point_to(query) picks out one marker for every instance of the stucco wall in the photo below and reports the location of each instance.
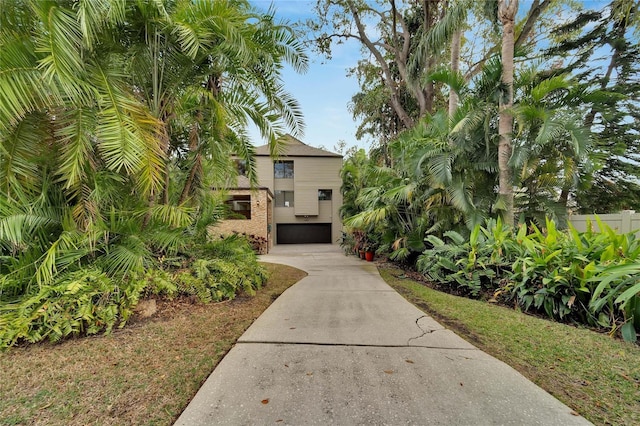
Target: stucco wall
(310, 175)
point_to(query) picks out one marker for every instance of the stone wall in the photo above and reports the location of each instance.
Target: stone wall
(257, 226)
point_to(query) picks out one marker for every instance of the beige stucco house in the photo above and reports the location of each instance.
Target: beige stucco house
(305, 182)
(297, 200)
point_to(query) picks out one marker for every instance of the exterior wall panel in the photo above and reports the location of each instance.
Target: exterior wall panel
(264, 168)
(306, 199)
(284, 184)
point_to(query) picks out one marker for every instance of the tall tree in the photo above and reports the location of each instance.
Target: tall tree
(391, 47)
(608, 100)
(205, 72)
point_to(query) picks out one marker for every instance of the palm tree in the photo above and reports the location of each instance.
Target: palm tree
(428, 190)
(205, 71)
(101, 101)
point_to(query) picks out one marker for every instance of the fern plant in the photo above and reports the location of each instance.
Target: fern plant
(81, 302)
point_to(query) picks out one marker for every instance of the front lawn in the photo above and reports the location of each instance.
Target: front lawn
(145, 373)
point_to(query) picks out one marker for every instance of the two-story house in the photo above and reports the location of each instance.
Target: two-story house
(297, 200)
(305, 182)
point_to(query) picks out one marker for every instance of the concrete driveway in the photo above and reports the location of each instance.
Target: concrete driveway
(342, 347)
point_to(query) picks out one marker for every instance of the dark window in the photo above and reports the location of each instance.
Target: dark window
(324, 194)
(241, 167)
(239, 207)
(284, 198)
(283, 169)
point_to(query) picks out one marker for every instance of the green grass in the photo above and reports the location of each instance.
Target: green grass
(144, 374)
(596, 375)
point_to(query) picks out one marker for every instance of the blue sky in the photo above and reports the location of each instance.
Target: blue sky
(324, 91)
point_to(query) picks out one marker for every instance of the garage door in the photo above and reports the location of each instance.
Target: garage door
(304, 233)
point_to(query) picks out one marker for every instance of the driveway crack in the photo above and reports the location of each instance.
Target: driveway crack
(424, 332)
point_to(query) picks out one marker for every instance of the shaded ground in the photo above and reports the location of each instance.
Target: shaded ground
(143, 374)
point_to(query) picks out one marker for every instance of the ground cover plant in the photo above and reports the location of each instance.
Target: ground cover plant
(594, 374)
(145, 373)
(89, 301)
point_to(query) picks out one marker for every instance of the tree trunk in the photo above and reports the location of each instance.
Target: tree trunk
(534, 13)
(166, 146)
(455, 68)
(196, 168)
(389, 81)
(429, 91)
(507, 10)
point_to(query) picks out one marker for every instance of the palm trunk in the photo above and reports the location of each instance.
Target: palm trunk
(507, 10)
(197, 161)
(430, 89)
(214, 85)
(428, 94)
(166, 146)
(455, 68)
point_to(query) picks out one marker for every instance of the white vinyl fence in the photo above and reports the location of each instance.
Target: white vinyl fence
(623, 222)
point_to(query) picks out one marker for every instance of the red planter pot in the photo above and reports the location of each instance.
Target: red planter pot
(369, 256)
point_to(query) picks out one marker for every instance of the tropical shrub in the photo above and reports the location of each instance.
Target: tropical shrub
(220, 270)
(83, 302)
(120, 118)
(90, 301)
(588, 278)
(471, 266)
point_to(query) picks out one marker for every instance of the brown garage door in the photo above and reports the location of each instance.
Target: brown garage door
(304, 233)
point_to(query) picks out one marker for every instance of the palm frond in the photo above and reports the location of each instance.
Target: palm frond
(129, 254)
(128, 135)
(433, 41)
(440, 167)
(22, 88)
(169, 215)
(75, 134)
(60, 44)
(20, 153)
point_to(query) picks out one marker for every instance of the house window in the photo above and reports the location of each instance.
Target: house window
(241, 167)
(284, 198)
(324, 194)
(283, 169)
(239, 207)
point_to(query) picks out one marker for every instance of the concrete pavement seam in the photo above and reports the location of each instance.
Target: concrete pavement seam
(358, 345)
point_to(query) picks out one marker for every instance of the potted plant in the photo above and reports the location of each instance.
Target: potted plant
(360, 243)
(371, 244)
(369, 253)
